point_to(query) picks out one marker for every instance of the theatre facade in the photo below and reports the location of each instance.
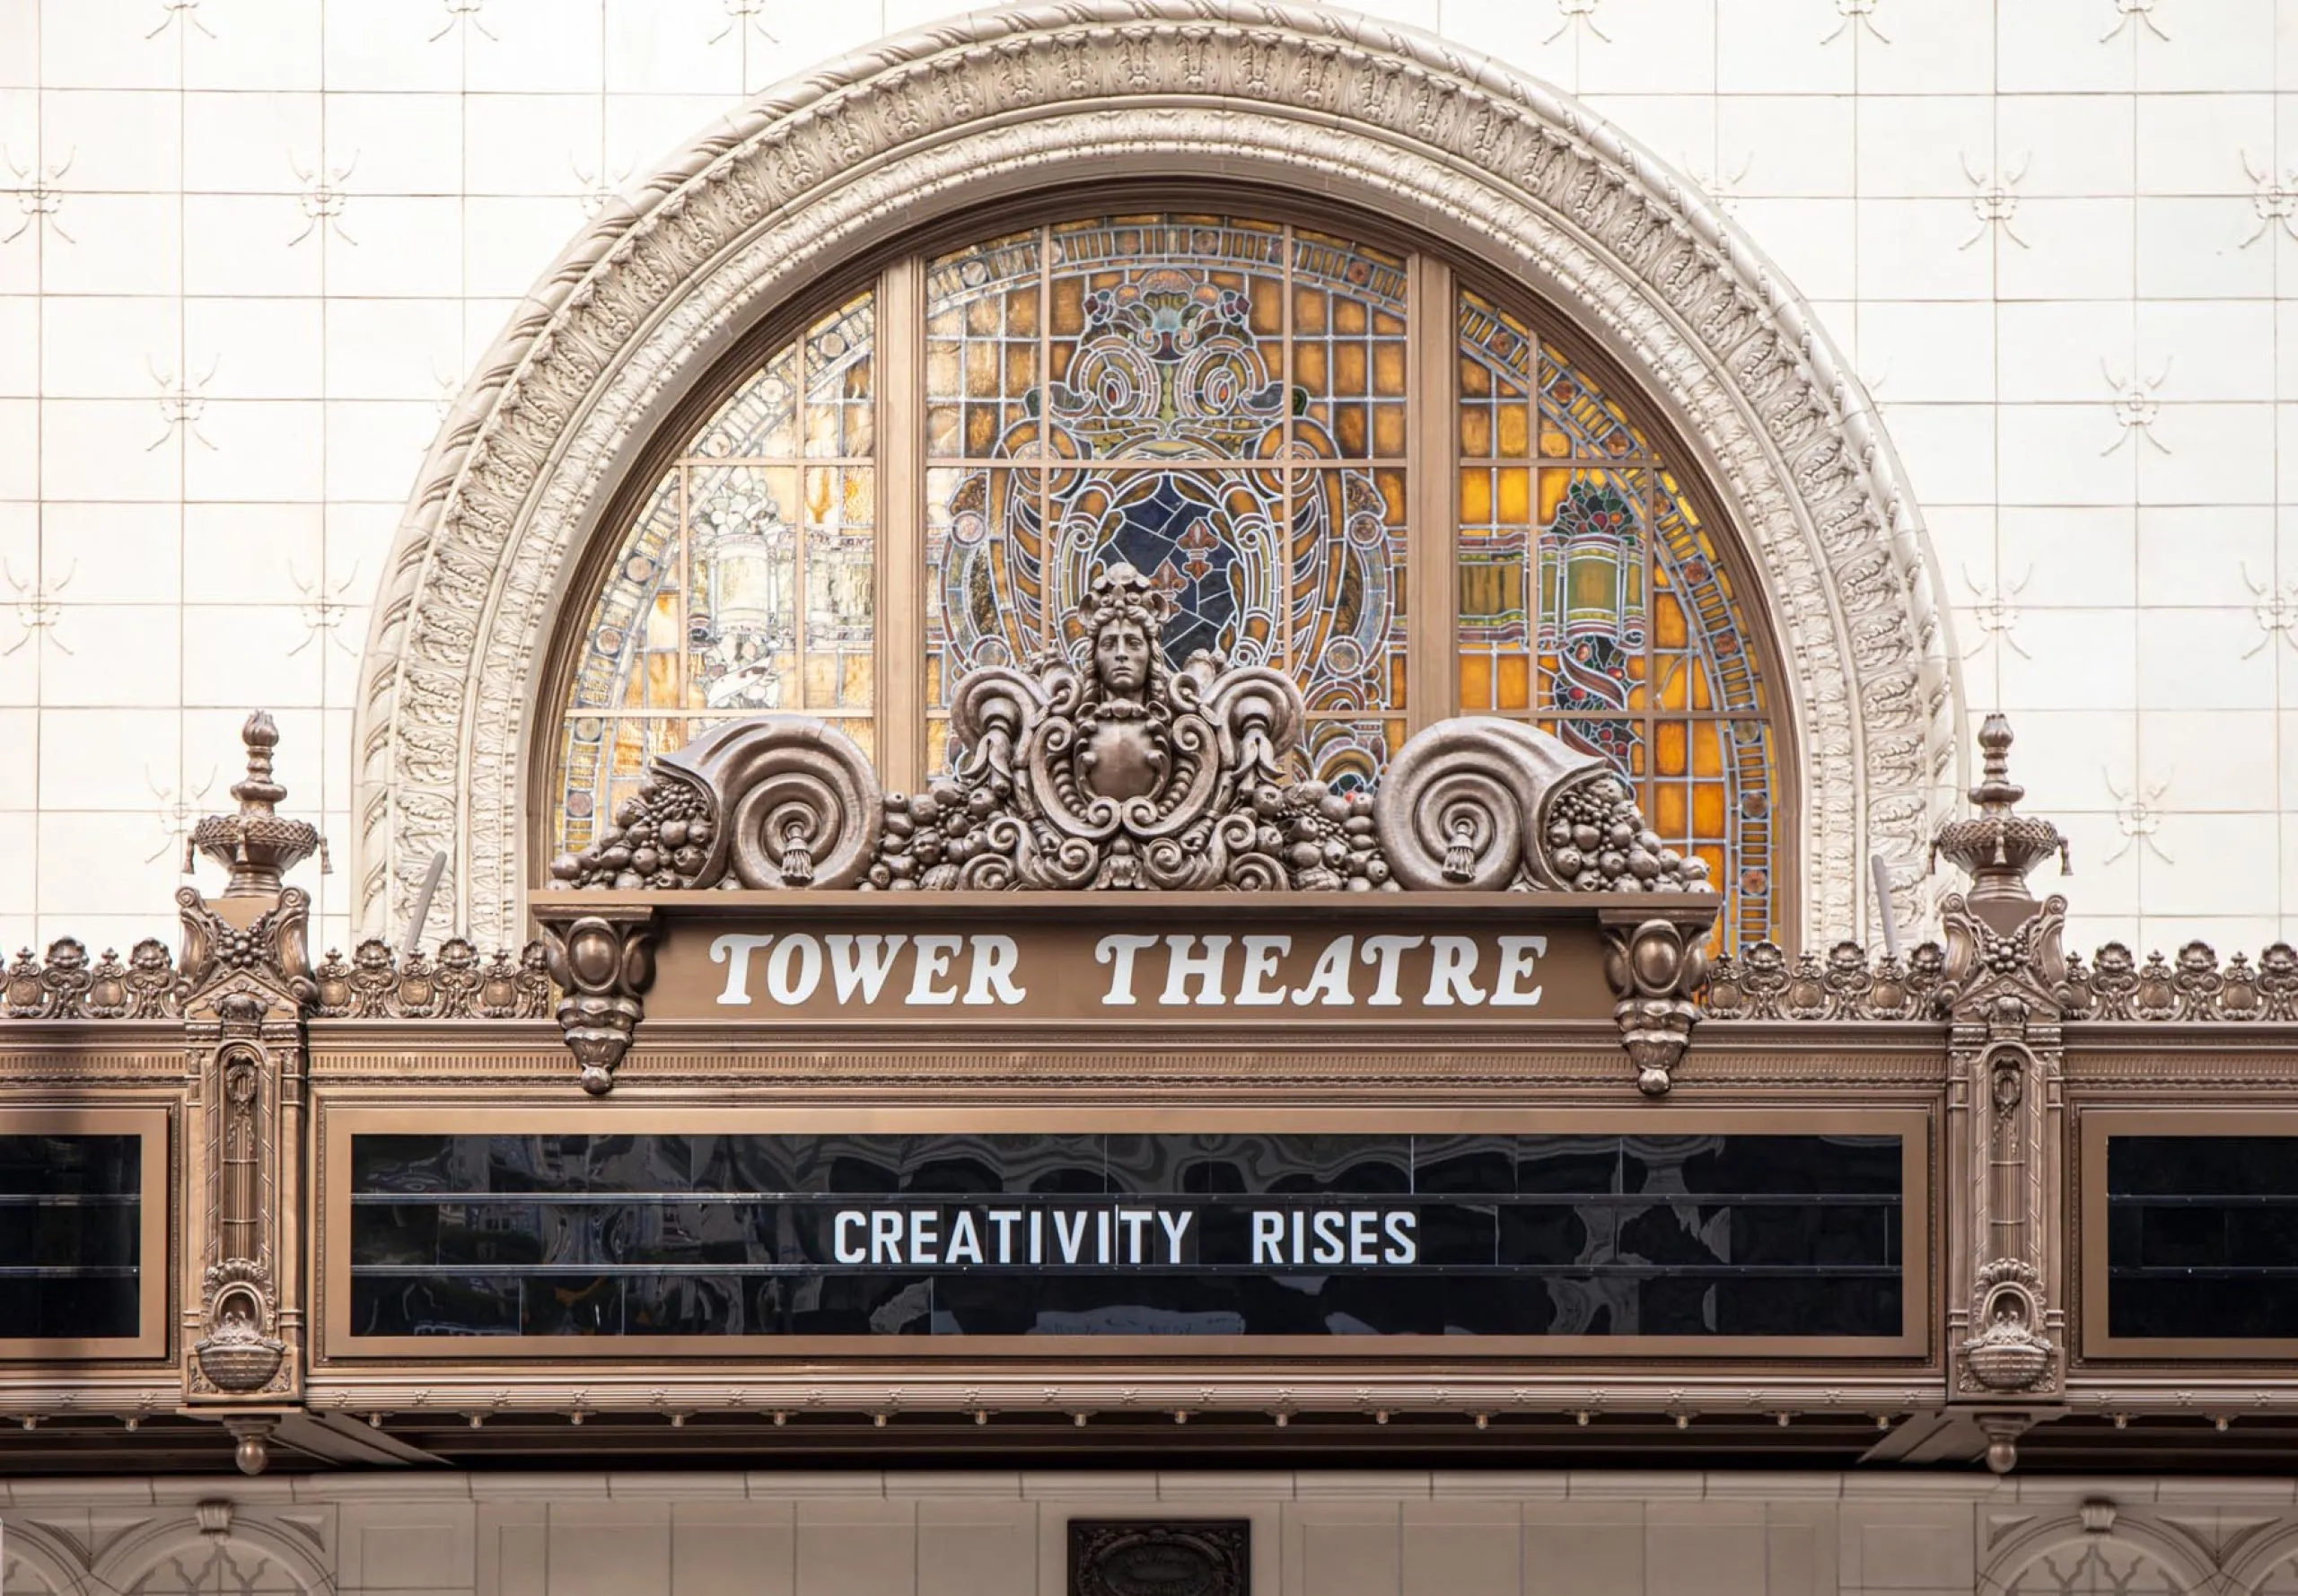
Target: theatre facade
(1163, 799)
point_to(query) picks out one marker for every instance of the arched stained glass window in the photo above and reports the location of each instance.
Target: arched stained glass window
(1408, 496)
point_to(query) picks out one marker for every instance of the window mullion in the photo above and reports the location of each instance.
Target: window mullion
(1432, 521)
(900, 629)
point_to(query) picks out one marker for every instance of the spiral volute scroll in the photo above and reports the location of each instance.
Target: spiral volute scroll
(1457, 805)
(772, 801)
(1262, 715)
(798, 804)
(1481, 804)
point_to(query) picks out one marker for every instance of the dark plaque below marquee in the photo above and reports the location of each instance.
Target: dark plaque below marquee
(1227, 1234)
(1160, 1558)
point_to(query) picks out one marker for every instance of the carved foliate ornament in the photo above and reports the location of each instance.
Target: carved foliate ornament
(255, 844)
(375, 984)
(1103, 767)
(247, 983)
(1997, 846)
(1309, 97)
(772, 801)
(241, 966)
(66, 985)
(1481, 803)
(1655, 969)
(2010, 1352)
(235, 1351)
(246, 952)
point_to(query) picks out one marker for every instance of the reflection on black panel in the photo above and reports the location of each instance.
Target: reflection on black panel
(71, 1227)
(1200, 1234)
(2202, 1237)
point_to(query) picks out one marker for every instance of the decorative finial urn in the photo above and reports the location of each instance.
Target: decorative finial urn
(257, 845)
(1996, 846)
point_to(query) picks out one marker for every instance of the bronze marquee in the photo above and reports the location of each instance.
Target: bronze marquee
(1117, 930)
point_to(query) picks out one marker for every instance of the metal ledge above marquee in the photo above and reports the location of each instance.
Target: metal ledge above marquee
(1120, 1093)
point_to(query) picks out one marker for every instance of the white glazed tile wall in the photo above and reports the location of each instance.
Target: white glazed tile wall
(250, 246)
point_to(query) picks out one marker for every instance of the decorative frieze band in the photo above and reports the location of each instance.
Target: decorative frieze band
(374, 984)
(1764, 982)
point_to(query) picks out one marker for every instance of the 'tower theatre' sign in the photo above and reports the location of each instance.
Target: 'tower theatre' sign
(1191, 958)
(875, 970)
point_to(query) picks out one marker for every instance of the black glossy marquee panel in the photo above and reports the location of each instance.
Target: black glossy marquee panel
(1688, 1238)
(83, 1253)
(2202, 1238)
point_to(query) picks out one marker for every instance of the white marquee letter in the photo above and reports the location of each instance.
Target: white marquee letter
(1449, 973)
(1328, 982)
(1387, 953)
(862, 963)
(1118, 950)
(734, 953)
(996, 962)
(1261, 955)
(1517, 954)
(781, 983)
(1183, 967)
(934, 955)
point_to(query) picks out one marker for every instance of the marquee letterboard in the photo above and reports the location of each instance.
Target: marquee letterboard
(1349, 1241)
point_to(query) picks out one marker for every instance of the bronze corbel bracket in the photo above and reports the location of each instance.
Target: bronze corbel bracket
(602, 960)
(1656, 962)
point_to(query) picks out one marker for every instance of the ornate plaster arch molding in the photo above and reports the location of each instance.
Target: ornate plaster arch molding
(940, 119)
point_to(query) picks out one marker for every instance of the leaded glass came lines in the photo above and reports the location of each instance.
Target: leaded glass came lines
(1221, 403)
(748, 583)
(1591, 602)
(1227, 403)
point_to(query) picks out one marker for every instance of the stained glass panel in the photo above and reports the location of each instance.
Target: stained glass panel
(747, 583)
(1221, 397)
(1592, 601)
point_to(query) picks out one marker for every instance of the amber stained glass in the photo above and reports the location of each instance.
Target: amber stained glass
(1592, 601)
(746, 583)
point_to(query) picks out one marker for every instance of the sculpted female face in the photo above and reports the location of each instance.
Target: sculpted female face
(1121, 656)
